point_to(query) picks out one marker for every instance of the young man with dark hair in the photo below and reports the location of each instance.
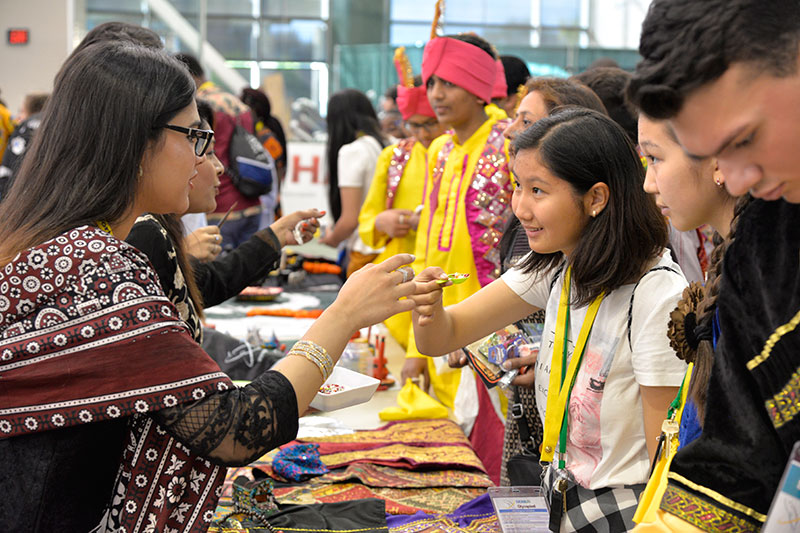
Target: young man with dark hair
(725, 74)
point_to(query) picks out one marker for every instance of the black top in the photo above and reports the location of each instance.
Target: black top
(226, 276)
(216, 280)
(752, 419)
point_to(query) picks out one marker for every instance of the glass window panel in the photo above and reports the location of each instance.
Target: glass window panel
(409, 33)
(511, 12)
(95, 19)
(187, 6)
(557, 37)
(293, 8)
(297, 40)
(499, 36)
(114, 5)
(560, 12)
(230, 7)
(460, 11)
(405, 10)
(231, 37)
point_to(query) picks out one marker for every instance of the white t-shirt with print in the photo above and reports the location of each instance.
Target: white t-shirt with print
(606, 442)
(356, 162)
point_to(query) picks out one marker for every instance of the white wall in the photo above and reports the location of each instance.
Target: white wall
(32, 67)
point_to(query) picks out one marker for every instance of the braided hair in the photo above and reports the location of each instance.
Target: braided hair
(691, 324)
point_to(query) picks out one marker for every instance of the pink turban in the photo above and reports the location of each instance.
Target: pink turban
(413, 101)
(500, 89)
(460, 63)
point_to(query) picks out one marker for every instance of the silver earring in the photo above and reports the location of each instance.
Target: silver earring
(594, 213)
(141, 172)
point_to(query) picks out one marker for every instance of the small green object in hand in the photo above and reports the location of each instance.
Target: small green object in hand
(455, 277)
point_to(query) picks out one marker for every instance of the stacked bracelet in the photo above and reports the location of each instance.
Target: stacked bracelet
(316, 354)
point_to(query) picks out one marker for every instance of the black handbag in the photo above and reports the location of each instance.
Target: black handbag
(523, 469)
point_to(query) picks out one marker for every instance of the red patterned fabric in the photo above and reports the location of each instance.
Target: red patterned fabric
(487, 434)
(88, 336)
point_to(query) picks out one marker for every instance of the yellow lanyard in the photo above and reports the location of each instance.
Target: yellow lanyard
(103, 225)
(560, 382)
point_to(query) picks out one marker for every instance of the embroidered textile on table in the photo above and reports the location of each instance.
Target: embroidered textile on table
(400, 156)
(371, 475)
(398, 501)
(406, 456)
(421, 475)
(476, 516)
(412, 432)
(86, 300)
(488, 201)
(384, 476)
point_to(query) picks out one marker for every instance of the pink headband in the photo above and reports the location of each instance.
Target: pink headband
(413, 101)
(460, 63)
(500, 89)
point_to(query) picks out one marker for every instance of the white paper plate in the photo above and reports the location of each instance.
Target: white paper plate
(358, 388)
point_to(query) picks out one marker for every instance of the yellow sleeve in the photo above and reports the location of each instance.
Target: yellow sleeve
(6, 128)
(422, 228)
(375, 202)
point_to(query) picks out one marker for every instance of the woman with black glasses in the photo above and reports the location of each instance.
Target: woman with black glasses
(193, 285)
(111, 417)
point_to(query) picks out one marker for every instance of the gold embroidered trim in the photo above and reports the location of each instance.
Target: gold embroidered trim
(718, 497)
(703, 514)
(773, 340)
(785, 405)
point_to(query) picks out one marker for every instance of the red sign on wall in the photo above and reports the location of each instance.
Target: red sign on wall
(18, 36)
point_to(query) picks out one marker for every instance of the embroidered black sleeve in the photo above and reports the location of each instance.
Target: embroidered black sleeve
(236, 426)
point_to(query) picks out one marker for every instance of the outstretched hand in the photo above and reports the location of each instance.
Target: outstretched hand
(373, 293)
(428, 293)
(284, 226)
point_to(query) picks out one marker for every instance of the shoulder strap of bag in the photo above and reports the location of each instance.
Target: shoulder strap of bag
(633, 294)
(517, 412)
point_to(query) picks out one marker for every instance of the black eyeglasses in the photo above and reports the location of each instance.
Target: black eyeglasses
(201, 138)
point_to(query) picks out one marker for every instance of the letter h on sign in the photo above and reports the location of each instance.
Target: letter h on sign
(313, 168)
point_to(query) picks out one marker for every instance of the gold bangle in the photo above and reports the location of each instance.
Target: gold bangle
(316, 354)
(310, 357)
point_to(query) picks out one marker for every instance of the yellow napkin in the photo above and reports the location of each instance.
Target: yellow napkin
(413, 403)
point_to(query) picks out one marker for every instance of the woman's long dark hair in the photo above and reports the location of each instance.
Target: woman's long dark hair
(261, 106)
(109, 103)
(350, 114)
(584, 147)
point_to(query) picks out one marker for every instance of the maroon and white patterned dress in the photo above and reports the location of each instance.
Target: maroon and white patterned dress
(87, 336)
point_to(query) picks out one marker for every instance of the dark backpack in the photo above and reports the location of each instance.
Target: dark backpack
(250, 166)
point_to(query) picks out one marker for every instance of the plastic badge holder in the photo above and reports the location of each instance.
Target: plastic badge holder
(784, 514)
(357, 388)
(520, 509)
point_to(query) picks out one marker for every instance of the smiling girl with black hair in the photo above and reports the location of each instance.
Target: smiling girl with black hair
(599, 269)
